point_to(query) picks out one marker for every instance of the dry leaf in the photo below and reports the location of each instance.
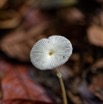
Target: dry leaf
(17, 85)
(95, 35)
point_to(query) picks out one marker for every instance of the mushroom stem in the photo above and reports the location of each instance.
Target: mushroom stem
(59, 75)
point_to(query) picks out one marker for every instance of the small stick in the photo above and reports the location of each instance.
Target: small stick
(59, 75)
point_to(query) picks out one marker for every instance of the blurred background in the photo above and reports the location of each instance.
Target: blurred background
(23, 23)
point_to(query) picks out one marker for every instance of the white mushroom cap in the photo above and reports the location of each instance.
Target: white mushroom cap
(51, 52)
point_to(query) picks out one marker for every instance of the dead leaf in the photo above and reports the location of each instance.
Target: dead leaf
(95, 35)
(17, 85)
(19, 101)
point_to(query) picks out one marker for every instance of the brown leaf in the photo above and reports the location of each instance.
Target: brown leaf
(5, 67)
(19, 101)
(95, 35)
(17, 85)
(1, 102)
(95, 31)
(2, 3)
